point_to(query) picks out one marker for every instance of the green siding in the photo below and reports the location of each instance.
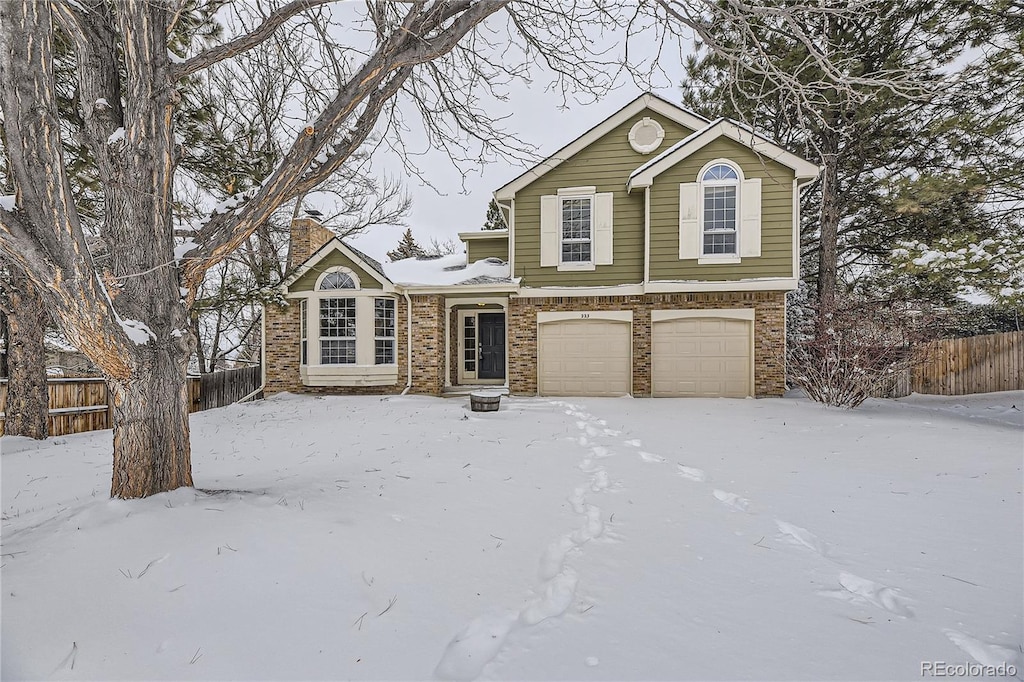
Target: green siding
(333, 259)
(478, 249)
(776, 258)
(607, 164)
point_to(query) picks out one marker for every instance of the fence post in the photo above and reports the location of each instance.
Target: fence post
(110, 405)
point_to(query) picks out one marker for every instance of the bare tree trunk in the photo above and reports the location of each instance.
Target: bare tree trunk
(5, 340)
(151, 430)
(129, 314)
(130, 318)
(28, 402)
(828, 245)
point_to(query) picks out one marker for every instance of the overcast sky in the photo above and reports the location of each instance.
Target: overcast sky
(537, 117)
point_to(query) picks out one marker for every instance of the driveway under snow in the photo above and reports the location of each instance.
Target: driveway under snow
(406, 538)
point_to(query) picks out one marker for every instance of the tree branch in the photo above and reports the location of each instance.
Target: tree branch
(409, 44)
(246, 42)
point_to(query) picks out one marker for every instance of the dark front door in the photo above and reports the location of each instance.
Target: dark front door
(492, 346)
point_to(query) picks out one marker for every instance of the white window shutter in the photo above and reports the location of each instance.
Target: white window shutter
(750, 222)
(603, 229)
(689, 226)
(550, 227)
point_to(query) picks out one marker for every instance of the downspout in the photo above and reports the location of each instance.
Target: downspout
(647, 237)
(263, 356)
(408, 343)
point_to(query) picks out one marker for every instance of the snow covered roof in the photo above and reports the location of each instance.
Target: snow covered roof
(439, 271)
(447, 271)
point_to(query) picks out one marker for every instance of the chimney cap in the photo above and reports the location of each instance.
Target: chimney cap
(313, 213)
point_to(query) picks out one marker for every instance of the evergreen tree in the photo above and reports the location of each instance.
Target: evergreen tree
(407, 248)
(494, 219)
(867, 138)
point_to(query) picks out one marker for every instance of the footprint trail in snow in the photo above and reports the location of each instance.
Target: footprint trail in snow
(480, 641)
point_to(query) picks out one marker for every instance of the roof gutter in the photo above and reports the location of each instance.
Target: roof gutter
(509, 287)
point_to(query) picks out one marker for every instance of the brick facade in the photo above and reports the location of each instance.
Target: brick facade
(282, 354)
(428, 338)
(428, 320)
(769, 333)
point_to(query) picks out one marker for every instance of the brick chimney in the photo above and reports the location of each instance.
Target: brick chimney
(307, 235)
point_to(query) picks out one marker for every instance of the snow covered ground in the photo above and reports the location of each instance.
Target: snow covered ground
(583, 539)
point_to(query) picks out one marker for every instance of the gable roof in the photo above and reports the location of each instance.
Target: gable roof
(372, 262)
(645, 101)
(370, 265)
(723, 127)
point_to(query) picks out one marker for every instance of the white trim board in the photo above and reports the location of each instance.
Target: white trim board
(661, 287)
(484, 234)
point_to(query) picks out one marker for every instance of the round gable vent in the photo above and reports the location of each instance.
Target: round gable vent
(646, 135)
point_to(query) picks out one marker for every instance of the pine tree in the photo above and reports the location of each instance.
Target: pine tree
(862, 134)
(494, 220)
(407, 248)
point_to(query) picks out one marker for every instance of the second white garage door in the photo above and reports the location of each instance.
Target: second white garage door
(702, 357)
(584, 358)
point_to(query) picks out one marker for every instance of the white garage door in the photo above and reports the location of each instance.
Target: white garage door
(703, 357)
(584, 358)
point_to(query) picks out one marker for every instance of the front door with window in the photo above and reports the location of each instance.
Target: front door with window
(491, 345)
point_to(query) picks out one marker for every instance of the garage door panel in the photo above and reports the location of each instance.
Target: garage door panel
(701, 357)
(584, 358)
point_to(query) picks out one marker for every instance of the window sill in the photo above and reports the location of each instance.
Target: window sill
(569, 267)
(349, 375)
(718, 260)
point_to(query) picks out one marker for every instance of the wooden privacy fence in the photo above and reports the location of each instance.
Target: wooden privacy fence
(976, 364)
(76, 405)
(218, 389)
(81, 404)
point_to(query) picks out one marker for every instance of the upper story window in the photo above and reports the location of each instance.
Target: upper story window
(577, 240)
(719, 198)
(337, 280)
(576, 229)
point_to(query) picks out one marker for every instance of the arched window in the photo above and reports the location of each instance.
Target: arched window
(719, 197)
(337, 280)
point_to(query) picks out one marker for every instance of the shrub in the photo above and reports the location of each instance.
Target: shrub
(856, 349)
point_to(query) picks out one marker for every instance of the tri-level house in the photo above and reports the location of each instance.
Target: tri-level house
(650, 256)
